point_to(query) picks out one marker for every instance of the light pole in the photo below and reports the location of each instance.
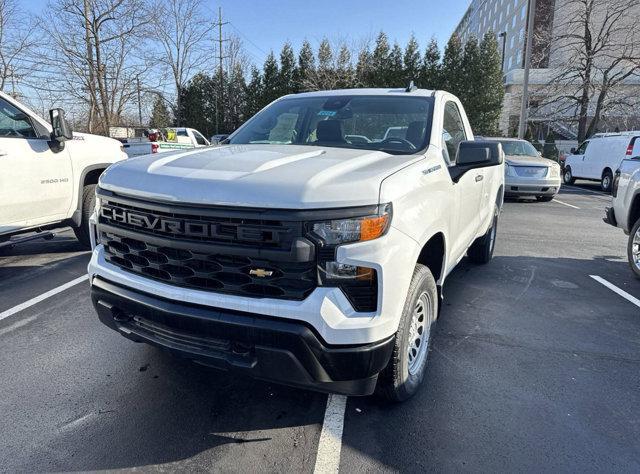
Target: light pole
(527, 66)
(503, 35)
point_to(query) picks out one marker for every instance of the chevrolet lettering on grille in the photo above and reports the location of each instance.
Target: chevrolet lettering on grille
(187, 228)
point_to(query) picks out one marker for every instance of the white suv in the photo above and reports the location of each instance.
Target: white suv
(294, 253)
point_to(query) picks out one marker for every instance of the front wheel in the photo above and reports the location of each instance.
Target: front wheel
(88, 205)
(481, 251)
(403, 375)
(633, 249)
(568, 176)
(607, 181)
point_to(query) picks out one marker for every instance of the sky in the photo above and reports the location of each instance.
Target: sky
(265, 25)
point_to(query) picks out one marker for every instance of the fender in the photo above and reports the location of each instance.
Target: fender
(76, 217)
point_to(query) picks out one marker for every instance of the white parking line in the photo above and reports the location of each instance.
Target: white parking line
(617, 290)
(42, 297)
(328, 457)
(577, 188)
(565, 204)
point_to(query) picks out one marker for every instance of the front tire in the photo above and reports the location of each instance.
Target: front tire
(88, 205)
(568, 176)
(607, 181)
(481, 251)
(633, 249)
(403, 375)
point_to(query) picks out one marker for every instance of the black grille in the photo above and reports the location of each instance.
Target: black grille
(232, 274)
(226, 250)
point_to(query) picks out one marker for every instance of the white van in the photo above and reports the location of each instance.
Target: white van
(598, 158)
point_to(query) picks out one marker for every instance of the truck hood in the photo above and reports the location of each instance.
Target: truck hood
(273, 176)
(519, 160)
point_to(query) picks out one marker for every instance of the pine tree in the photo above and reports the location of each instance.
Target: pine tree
(236, 99)
(286, 79)
(364, 70)
(346, 74)
(452, 67)
(395, 74)
(160, 116)
(490, 88)
(270, 80)
(411, 61)
(253, 94)
(431, 69)
(306, 66)
(550, 150)
(471, 83)
(380, 62)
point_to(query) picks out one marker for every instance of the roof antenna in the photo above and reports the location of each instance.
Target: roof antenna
(411, 87)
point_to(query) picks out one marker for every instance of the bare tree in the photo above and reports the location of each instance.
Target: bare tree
(182, 33)
(597, 50)
(17, 39)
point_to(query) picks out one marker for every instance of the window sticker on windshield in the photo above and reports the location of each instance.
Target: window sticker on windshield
(327, 113)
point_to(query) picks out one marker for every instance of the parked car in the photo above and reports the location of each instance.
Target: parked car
(168, 139)
(295, 255)
(625, 210)
(597, 159)
(527, 173)
(48, 173)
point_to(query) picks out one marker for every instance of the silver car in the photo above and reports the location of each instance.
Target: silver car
(527, 173)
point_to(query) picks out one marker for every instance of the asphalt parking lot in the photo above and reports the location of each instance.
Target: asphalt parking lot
(535, 366)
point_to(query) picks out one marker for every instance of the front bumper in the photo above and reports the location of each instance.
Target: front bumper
(274, 349)
(515, 186)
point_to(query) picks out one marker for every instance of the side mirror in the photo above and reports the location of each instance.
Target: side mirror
(573, 150)
(476, 154)
(61, 128)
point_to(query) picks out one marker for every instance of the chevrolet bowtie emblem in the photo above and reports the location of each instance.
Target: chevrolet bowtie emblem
(260, 272)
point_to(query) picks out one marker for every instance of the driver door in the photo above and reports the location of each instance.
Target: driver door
(578, 164)
(468, 190)
(35, 182)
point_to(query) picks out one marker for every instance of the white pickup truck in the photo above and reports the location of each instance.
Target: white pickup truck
(294, 254)
(47, 174)
(168, 139)
(625, 210)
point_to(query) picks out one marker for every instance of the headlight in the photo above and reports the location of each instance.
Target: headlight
(357, 229)
(554, 171)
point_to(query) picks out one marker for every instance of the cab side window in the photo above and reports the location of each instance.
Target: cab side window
(582, 148)
(200, 140)
(14, 122)
(453, 131)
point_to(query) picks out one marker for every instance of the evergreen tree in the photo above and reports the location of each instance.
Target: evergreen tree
(380, 62)
(346, 74)
(253, 94)
(236, 99)
(270, 80)
(198, 104)
(286, 80)
(452, 66)
(431, 69)
(471, 82)
(325, 56)
(364, 70)
(550, 150)
(306, 66)
(160, 116)
(490, 88)
(411, 62)
(395, 74)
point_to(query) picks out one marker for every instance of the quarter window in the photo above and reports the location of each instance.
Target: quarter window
(582, 148)
(14, 122)
(453, 131)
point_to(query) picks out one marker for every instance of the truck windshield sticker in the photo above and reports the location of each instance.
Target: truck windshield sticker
(327, 113)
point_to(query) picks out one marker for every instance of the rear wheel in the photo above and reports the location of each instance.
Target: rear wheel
(403, 375)
(481, 251)
(88, 205)
(568, 176)
(633, 249)
(607, 181)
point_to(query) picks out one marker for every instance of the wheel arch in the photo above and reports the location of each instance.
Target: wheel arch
(433, 256)
(634, 211)
(89, 175)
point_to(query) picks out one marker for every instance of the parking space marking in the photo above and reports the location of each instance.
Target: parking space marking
(566, 204)
(42, 297)
(617, 290)
(577, 188)
(330, 444)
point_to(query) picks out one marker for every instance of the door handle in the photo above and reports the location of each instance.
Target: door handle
(479, 178)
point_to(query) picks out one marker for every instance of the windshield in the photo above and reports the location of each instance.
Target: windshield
(518, 148)
(393, 124)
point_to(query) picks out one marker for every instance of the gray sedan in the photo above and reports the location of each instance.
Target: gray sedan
(527, 173)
